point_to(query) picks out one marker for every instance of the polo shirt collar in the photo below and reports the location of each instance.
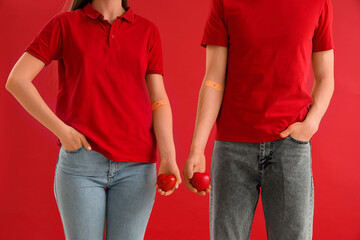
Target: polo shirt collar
(90, 11)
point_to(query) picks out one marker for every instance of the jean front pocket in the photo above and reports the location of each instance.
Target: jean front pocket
(297, 141)
(73, 161)
(72, 151)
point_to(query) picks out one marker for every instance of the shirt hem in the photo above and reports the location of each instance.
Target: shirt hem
(38, 56)
(155, 72)
(250, 139)
(205, 43)
(323, 49)
(154, 159)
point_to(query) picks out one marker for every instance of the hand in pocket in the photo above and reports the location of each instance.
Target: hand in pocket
(73, 140)
(301, 131)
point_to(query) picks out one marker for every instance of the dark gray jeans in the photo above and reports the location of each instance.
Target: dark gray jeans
(281, 169)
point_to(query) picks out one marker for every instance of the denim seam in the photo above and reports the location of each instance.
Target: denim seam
(261, 156)
(266, 160)
(310, 213)
(311, 199)
(55, 186)
(211, 197)
(252, 218)
(211, 212)
(297, 141)
(72, 151)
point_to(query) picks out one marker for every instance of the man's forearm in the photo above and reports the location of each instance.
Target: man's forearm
(207, 111)
(322, 92)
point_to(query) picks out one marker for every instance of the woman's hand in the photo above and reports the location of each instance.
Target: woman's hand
(71, 139)
(169, 167)
(195, 163)
(302, 131)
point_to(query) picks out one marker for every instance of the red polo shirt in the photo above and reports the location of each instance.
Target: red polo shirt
(102, 88)
(269, 61)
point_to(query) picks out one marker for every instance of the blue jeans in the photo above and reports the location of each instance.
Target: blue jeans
(280, 170)
(81, 177)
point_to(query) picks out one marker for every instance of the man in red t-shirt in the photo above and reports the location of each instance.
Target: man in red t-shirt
(258, 59)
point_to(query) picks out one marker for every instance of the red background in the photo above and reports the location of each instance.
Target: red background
(28, 151)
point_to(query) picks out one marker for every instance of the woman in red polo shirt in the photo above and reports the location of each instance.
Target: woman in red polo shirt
(112, 112)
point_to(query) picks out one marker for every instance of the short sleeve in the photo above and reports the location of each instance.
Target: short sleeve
(323, 35)
(155, 58)
(215, 32)
(46, 45)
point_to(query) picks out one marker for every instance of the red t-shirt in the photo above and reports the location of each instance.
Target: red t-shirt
(269, 61)
(102, 89)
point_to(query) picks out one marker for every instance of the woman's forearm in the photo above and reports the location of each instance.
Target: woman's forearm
(207, 111)
(163, 129)
(28, 96)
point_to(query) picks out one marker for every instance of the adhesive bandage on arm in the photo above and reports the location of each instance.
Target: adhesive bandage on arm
(159, 103)
(213, 84)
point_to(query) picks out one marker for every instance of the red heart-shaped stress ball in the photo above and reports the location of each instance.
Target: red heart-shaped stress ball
(166, 182)
(200, 181)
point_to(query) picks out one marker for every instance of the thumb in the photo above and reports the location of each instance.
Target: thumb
(85, 142)
(190, 171)
(178, 180)
(286, 132)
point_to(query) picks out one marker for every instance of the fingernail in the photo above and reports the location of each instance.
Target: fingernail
(89, 147)
(177, 186)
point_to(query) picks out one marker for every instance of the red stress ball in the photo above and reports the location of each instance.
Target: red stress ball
(166, 182)
(200, 181)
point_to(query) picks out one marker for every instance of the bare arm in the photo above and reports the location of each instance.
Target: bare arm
(209, 103)
(19, 84)
(323, 67)
(163, 128)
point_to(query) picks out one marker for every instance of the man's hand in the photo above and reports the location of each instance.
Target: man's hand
(302, 131)
(195, 163)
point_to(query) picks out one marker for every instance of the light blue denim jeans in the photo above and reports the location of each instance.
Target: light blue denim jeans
(278, 170)
(89, 189)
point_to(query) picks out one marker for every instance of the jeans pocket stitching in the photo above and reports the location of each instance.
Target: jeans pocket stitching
(297, 141)
(72, 151)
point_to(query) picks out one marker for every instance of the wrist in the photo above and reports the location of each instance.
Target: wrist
(168, 156)
(313, 116)
(313, 123)
(61, 130)
(197, 148)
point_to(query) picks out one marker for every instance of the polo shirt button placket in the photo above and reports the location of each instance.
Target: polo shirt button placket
(111, 34)
(112, 37)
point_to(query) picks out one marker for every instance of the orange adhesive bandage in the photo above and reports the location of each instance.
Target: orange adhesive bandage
(159, 103)
(213, 85)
